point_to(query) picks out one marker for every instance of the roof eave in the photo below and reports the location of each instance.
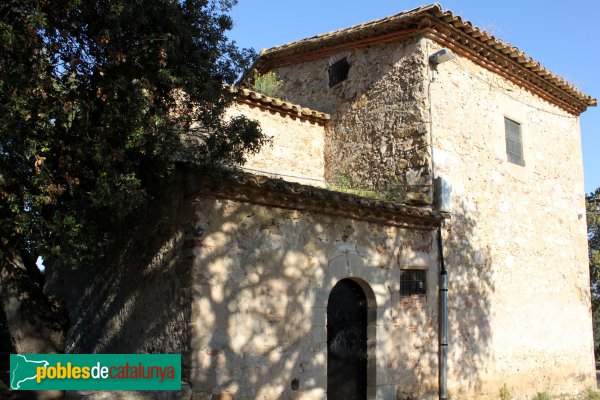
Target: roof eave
(261, 190)
(448, 29)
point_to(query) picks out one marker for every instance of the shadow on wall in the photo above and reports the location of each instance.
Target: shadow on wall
(471, 354)
(241, 291)
(262, 278)
(412, 351)
(259, 314)
(136, 300)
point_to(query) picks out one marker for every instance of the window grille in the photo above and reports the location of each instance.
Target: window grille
(412, 281)
(338, 72)
(514, 143)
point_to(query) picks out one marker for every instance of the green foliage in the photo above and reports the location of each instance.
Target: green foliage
(95, 98)
(504, 393)
(392, 193)
(361, 192)
(344, 185)
(593, 224)
(266, 84)
(343, 182)
(395, 191)
(592, 202)
(542, 396)
(590, 395)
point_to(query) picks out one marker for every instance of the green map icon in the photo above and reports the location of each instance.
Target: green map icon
(23, 369)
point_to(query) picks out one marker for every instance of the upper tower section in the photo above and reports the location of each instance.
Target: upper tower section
(374, 80)
(448, 30)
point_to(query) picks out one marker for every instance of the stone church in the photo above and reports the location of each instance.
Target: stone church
(416, 230)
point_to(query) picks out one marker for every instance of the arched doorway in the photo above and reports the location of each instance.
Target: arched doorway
(347, 360)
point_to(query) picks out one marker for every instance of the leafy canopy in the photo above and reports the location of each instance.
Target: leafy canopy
(592, 202)
(593, 224)
(95, 99)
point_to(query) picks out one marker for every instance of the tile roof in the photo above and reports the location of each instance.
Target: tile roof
(262, 190)
(449, 30)
(251, 97)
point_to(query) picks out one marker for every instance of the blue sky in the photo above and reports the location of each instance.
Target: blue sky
(563, 36)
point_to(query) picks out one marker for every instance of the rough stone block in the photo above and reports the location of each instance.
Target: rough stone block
(419, 198)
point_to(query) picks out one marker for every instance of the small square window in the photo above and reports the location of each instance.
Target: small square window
(338, 72)
(514, 143)
(412, 281)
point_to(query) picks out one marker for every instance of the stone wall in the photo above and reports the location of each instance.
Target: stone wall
(241, 291)
(516, 243)
(296, 150)
(377, 138)
(136, 298)
(261, 280)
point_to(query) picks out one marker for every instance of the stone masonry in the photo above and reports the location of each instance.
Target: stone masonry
(377, 138)
(516, 243)
(526, 226)
(240, 289)
(296, 149)
(262, 277)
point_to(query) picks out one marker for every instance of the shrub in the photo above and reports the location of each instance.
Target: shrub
(542, 396)
(504, 393)
(590, 395)
(266, 84)
(344, 185)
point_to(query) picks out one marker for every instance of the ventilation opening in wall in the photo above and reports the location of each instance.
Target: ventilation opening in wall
(412, 281)
(338, 72)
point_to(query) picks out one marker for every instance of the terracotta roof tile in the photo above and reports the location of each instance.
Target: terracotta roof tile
(449, 30)
(255, 98)
(258, 189)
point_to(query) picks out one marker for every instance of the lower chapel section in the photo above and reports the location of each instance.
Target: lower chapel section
(273, 290)
(290, 304)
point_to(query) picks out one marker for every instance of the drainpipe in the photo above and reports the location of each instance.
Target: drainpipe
(442, 202)
(443, 321)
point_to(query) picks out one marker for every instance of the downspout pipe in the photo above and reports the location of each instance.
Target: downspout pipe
(443, 321)
(442, 202)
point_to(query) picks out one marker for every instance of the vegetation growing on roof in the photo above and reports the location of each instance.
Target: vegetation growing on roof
(394, 192)
(267, 84)
(344, 185)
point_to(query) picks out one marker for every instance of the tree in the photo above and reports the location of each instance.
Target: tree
(592, 202)
(95, 99)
